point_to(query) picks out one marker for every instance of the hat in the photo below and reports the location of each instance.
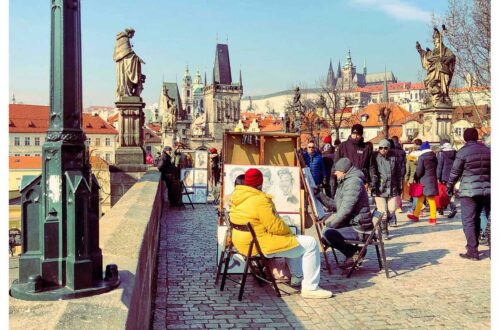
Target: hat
(343, 165)
(357, 129)
(253, 178)
(327, 139)
(470, 134)
(213, 150)
(384, 143)
(425, 146)
(167, 148)
(445, 145)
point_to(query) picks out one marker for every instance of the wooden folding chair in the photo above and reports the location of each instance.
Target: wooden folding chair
(257, 264)
(370, 237)
(187, 193)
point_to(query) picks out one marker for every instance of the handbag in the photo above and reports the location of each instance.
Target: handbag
(416, 189)
(442, 199)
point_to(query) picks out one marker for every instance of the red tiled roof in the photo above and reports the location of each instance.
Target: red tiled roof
(155, 127)
(26, 118)
(393, 131)
(372, 111)
(470, 113)
(417, 116)
(150, 136)
(113, 119)
(469, 89)
(25, 162)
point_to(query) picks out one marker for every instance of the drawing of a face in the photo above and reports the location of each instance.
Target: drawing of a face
(285, 182)
(267, 183)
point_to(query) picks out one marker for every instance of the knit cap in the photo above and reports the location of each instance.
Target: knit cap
(253, 178)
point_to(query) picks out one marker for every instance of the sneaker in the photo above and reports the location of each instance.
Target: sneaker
(319, 293)
(432, 221)
(386, 236)
(412, 217)
(295, 280)
(452, 214)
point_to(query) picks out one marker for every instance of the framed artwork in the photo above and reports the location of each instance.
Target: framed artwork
(200, 178)
(201, 159)
(200, 195)
(281, 182)
(187, 176)
(317, 207)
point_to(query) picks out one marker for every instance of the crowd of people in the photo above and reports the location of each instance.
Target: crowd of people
(346, 174)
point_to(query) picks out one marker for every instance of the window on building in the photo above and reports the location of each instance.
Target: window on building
(27, 155)
(341, 135)
(27, 141)
(17, 141)
(37, 155)
(108, 142)
(411, 132)
(189, 109)
(459, 131)
(188, 92)
(97, 154)
(17, 155)
(97, 142)
(108, 157)
(89, 140)
(37, 141)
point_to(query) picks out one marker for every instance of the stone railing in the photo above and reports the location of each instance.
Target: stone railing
(129, 235)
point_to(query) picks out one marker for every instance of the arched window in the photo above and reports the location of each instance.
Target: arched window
(188, 93)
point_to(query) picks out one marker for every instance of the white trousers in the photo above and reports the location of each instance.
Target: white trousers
(303, 261)
(388, 205)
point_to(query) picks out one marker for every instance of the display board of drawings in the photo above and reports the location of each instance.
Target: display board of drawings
(196, 178)
(282, 183)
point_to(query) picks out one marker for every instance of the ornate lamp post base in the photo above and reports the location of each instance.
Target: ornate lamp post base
(35, 291)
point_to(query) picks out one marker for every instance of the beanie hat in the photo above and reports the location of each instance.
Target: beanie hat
(357, 129)
(167, 148)
(343, 165)
(253, 178)
(384, 143)
(327, 139)
(470, 134)
(213, 150)
(425, 146)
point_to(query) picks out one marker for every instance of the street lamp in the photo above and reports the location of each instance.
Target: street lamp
(318, 127)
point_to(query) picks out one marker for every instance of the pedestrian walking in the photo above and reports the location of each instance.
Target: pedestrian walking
(426, 174)
(446, 157)
(387, 183)
(411, 167)
(169, 176)
(401, 160)
(472, 166)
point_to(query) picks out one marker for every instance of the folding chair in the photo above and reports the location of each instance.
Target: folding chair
(257, 264)
(187, 193)
(370, 237)
(229, 248)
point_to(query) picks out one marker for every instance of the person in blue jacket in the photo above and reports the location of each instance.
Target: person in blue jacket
(314, 161)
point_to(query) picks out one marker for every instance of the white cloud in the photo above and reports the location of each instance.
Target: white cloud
(398, 9)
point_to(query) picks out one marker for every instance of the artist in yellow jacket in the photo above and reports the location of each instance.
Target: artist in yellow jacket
(250, 204)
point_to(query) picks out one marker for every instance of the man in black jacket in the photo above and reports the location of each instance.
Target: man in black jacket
(168, 174)
(351, 208)
(401, 158)
(473, 165)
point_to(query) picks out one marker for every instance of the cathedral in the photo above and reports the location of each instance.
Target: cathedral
(348, 78)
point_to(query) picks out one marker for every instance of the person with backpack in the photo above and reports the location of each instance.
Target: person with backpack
(446, 157)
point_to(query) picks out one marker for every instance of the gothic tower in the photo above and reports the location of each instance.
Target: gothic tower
(330, 78)
(187, 93)
(221, 99)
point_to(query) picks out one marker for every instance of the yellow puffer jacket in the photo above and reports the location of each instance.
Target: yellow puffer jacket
(252, 205)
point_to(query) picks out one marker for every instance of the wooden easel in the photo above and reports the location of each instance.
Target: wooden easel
(317, 225)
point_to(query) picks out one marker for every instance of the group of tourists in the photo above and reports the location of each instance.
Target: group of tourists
(344, 174)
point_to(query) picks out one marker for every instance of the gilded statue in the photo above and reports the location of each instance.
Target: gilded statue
(440, 66)
(129, 77)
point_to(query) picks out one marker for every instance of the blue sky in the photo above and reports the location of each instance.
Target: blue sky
(277, 44)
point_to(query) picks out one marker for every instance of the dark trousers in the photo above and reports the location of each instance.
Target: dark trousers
(336, 239)
(471, 211)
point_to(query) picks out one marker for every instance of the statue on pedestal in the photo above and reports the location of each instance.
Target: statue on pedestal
(129, 77)
(440, 66)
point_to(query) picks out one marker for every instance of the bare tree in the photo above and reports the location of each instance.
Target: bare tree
(468, 25)
(334, 101)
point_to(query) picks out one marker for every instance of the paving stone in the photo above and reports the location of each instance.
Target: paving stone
(430, 285)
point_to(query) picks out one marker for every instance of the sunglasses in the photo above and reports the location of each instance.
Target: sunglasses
(384, 148)
(310, 147)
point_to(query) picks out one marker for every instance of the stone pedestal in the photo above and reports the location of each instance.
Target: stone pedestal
(436, 124)
(130, 126)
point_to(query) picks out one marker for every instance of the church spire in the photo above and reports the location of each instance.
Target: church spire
(339, 71)
(365, 71)
(330, 78)
(205, 78)
(385, 94)
(241, 80)
(13, 98)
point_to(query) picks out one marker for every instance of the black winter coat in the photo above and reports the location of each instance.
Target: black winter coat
(165, 165)
(387, 177)
(426, 172)
(350, 203)
(401, 156)
(445, 163)
(359, 153)
(473, 165)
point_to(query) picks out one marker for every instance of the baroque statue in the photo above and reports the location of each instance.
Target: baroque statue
(129, 77)
(440, 66)
(171, 113)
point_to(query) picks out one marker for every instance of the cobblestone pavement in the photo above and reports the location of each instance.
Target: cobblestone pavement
(430, 285)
